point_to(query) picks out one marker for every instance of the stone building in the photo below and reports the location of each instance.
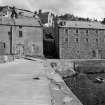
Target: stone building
(81, 40)
(21, 33)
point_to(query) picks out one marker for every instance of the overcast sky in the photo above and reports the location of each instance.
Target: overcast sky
(83, 8)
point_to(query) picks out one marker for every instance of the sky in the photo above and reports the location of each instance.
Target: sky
(82, 8)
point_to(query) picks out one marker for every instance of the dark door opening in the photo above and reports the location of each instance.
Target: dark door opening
(49, 47)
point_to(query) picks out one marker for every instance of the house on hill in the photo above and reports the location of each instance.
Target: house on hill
(47, 19)
(49, 47)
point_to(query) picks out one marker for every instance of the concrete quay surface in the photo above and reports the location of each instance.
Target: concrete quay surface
(26, 82)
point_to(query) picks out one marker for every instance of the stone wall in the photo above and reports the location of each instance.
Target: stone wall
(27, 36)
(31, 41)
(4, 38)
(6, 58)
(81, 43)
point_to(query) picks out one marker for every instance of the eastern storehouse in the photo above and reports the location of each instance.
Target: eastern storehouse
(81, 40)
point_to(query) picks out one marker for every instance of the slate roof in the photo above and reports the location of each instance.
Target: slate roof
(44, 17)
(83, 24)
(25, 17)
(27, 21)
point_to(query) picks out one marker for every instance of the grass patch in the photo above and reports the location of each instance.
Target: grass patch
(83, 85)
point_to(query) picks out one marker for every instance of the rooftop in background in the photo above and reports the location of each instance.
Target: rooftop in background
(81, 24)
(44, 17)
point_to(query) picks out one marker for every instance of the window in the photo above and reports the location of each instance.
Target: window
(77, 31)
(66, 31)
(76, 40)
(94, 53)
(96, 40)
(20, 27)
(87, 31)
(78, 52)
(64, 23)
(96, 31)
(66, 39)
(20, 34)
(9, 33)
(87, 40)
(4, 45)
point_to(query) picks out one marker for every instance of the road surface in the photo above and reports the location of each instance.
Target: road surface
(17, 86)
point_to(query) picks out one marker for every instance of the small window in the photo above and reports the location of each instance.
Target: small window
(76, 40)
(94, 53)
(87, 31)
(20, 27)
(20, 34)
(66, 39)
(87, 40)
(64, 23)
(9, 33)
(77, 31)
(96, 40)
(4, 45)
(66, 31)
(96, 31)
(78, 52)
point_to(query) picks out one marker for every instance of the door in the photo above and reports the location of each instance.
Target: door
(20, 50)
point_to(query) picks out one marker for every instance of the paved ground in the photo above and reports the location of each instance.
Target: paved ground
(17, 86)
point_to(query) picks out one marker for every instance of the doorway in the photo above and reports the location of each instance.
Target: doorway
(20, 50)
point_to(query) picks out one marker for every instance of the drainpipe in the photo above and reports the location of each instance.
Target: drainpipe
(11, 40)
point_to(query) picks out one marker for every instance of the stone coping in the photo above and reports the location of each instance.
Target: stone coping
(60, 93)
(6, 58)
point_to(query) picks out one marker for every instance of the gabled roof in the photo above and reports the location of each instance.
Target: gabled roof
(83, 24)
(44, 17)
(27, 21)
(23, 12)
(25, 17)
